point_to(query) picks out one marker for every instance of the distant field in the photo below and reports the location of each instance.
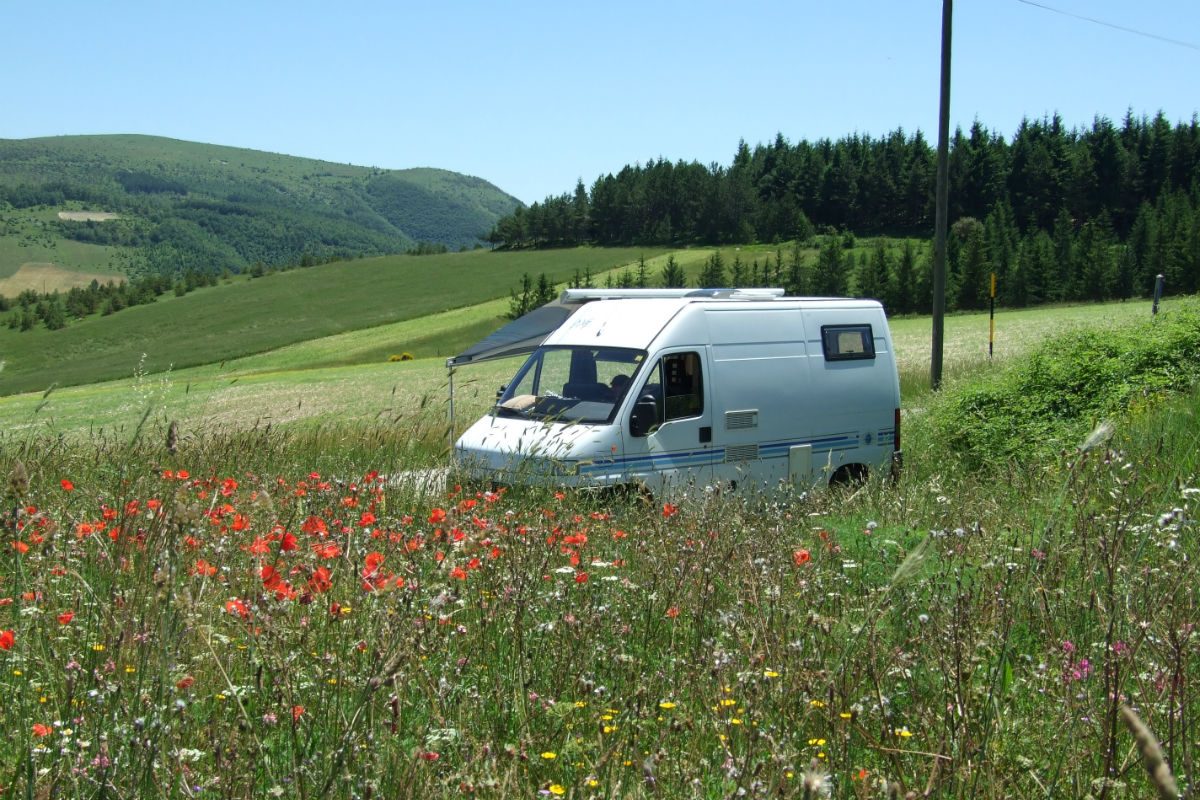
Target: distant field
(17, 251)
(45, 278)
(249, 316)
(310, 383)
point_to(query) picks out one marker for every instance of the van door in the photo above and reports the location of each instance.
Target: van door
(670, 448)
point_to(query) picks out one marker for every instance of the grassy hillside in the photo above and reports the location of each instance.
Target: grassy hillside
(183, 205)
(247, 316)
(346, 379)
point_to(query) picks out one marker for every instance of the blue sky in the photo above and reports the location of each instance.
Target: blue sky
(534, 95)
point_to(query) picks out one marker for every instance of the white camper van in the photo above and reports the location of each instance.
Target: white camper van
(664, 390)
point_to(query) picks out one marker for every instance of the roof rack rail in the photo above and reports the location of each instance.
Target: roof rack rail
(573, 296)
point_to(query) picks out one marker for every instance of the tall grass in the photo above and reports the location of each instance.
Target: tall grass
(259, 614)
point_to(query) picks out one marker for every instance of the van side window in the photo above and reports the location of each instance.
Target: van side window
(677, 385)
(847, 342)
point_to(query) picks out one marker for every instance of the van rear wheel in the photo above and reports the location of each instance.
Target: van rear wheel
(849, 475)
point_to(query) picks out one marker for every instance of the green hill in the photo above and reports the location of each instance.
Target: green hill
(246, 315)
(177, 205)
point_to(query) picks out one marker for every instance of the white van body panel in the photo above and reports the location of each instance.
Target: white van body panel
(748, 393)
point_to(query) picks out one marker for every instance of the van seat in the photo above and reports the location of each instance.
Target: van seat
(591, 391)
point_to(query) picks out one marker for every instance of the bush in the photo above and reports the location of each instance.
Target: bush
(1051, 399)
(405, 356)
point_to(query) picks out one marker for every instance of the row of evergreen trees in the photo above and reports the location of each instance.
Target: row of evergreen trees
(1070, 262)
(1098, 187)
(777, 191)
(55, 309)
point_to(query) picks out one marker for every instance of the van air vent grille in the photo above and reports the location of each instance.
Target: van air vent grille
(741, 420)
(741, 452)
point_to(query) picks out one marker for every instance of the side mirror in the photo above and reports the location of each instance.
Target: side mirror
(500, 392)
(644, 417)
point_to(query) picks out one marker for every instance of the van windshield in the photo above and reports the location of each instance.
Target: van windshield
(571, 384)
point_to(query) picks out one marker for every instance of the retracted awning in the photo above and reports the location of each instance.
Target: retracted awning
(521, 336)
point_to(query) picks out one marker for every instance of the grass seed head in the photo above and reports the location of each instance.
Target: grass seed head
(1156, 765)
(18, 480)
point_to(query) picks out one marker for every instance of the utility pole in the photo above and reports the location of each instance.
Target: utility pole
(941, 204)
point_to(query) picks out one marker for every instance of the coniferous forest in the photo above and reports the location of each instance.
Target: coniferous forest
(1057, 214)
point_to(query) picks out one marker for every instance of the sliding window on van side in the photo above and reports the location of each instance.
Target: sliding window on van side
(847, 342)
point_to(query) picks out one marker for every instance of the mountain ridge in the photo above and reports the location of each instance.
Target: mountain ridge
(192, 205)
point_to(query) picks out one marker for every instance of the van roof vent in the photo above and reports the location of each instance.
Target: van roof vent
(741, 420)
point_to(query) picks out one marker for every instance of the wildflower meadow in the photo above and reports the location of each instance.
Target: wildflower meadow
(268, 614)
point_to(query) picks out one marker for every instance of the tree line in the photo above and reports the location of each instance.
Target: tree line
(55, 309)
(1057, 213)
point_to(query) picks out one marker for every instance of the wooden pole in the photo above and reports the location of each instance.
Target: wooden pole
(942, 204)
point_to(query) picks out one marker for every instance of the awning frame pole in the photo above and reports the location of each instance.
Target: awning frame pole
(450, 376)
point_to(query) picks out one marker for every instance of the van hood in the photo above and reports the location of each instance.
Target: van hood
(510, 450)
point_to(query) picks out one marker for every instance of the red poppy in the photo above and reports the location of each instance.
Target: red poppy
(240, 523)
(366, 520)
(581, 577)
(673, 612)
(669, 510)
(40, 730)
(437, 516)
(374, 560)
(801, 557)
(326, 549)
(7, 640)
(20, 547)
(228, 486)
(236, 606)
(459, 573)
(320, 581)
(67, 485)
(288, 541)
(315, 526)
(185, 682)
(270, 577)
(203, 568)
(65, 617)
(297, 713)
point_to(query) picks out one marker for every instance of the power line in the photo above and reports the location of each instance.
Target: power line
(1134, 31)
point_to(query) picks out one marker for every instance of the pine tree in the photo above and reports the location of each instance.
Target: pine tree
(737, 273)
(829, 279)
(521, 301)
(545, 290)
(713, 274)
(904, 290)
(673, 276)
(640, 281)
(873, 273)
(798, 283)
(973, 270)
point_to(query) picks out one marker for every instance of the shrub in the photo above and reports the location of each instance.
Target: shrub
(405, 356)
(1051, 399)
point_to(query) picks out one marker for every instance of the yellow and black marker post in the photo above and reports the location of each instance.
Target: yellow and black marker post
(992, 317)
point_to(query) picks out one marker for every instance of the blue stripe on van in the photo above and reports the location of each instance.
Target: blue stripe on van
(715, 455)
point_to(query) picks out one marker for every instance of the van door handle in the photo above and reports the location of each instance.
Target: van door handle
(705, 434)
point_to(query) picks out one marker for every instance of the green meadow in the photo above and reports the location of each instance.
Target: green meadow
(259, 607)
(261, 603)
(251, 316)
